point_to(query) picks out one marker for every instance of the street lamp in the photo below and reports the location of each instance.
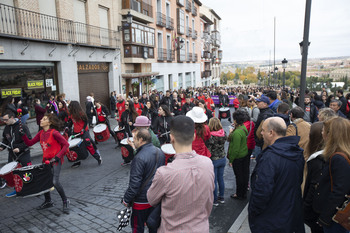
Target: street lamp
(284, 65)
(127, 23)
(301, 44)
(275, 76)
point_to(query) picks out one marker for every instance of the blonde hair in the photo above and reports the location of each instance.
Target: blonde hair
(325, 114)
(337, 131)
(214, 124)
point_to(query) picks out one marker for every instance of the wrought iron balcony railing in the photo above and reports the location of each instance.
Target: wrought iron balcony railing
(188, 5)
(169, 23)
(188, 31)
(161, 19)
(162, 54)
(170, 55)
(21, 23)
(194, 34)
(138, 5)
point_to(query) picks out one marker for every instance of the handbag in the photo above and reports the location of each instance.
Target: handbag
(153, 220)
(342, 216)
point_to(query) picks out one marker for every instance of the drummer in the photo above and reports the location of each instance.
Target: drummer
(224, 103)
(102, 113)
(128, 117)
(54, 147)
(18, 150)
(142, 122)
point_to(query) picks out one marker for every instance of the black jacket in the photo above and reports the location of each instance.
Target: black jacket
(113, 103)
(326, 201)
(142, 167)
(13, 138)
(150, 114)
(90, 107)
(264, 114)
(168, 102)
(125, 119)
(315, 166)
(313, 113)
(224, 100)
(163, 126)
(186, 107)
(343, 106)
(176, 104)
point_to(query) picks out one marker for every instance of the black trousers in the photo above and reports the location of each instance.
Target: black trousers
(56, 170)
(138, 220)
(241, 170)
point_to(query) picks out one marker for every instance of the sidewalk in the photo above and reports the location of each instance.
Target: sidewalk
(241, 224)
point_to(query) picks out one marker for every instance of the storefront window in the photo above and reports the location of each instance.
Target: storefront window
(27, 81)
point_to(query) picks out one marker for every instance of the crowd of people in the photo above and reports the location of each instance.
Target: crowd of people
(301, 153)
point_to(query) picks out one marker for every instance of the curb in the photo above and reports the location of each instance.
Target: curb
(236, 226)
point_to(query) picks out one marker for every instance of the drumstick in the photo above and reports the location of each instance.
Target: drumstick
(8, 147)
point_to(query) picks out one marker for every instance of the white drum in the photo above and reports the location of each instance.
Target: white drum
(168, 149)
(224, 113)
(74, 142)
(6, 173)
(125, 141)
(100, 128)
(223, 109)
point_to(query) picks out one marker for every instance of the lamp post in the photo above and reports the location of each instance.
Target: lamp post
(127, 23)
(304, 47)
(275, 76)
(284, 65)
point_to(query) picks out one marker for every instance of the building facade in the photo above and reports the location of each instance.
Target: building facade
(177, 25)
(50, 46)
(211, 54)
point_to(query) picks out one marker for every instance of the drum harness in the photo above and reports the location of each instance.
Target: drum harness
(11, 138)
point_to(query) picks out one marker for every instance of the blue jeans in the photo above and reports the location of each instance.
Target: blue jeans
(219, 167)
(335, 228)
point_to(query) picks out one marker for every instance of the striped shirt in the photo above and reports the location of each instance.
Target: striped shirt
(185, 188)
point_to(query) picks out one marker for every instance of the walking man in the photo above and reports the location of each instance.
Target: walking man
(275, 203)
(147, 159)
(185, 186)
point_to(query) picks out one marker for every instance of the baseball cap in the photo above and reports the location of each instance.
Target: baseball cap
(264, 99)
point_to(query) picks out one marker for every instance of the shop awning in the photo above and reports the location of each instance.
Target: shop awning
(139, 75)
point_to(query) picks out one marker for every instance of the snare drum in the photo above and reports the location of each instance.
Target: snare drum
(77, 150)
(6, 172)
(101, 132)
(127, 151)
(33, 180)
(169, 152)
(120, 133)
(224, 113)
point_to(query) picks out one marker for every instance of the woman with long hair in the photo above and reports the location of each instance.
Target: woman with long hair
(9, 104)
(334, 181)
(128, 118)
(238, 152)
(79, 125)
(202, 132)
(216, 146)
(150, 112)
(162, 126)
(54, 147)
(315, 165)
(202, 105)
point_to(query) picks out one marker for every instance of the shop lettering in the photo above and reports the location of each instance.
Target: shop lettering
(15, 92)
(35, 84)
(89, 67)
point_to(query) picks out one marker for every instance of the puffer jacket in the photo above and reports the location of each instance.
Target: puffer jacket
(216, 144)
(142, 167)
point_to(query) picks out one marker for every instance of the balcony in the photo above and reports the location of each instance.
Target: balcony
(169, 23)
(194, 11)
(216, 38)
(161, 19)
(170, 55)
(194, 34)
(189, 57)
(206, 74)
(180, 29)
(188, 31)
(188, 5)
(31, 25)
(136, 51)
(140, 10)
(220, 54)
(181, 2)
(181, 55)
(162, 54)
(206, 55)
(194, 58)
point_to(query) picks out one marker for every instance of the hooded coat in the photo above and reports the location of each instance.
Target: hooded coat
(276, 203)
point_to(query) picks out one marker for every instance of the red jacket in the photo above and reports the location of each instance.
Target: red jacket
(250, 139)
(120, 109)
(236, 103)
(198, 144)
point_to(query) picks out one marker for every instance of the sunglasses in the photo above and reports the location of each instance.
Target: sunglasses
(4, 120)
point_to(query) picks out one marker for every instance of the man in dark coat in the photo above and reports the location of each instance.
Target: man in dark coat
(265, 112)
(344, 102)
(142, 171)
(276, 203)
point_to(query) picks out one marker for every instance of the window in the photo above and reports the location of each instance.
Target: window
(139, 35)
(181, 20)
(180, 80)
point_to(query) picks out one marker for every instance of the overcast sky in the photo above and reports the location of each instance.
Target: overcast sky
(247, 28)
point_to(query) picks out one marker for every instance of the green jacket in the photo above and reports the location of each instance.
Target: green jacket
(238, 143)
(155, 140)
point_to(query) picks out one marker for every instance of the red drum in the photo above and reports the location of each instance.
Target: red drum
(33, 180)
(101, 132)
(120, 133)
(127, 151)
(77, 150)
(169, 152)
(6, 172)
(224, 113)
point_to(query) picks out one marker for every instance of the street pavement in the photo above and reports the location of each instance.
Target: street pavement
(95, 193)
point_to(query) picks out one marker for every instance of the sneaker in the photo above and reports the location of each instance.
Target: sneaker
(45, 205)
(221, 200)
(12, 194)
(76, 164)
(99, 161)
(66, 205)
(3, 185)
(216, 203)
(125, 164)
